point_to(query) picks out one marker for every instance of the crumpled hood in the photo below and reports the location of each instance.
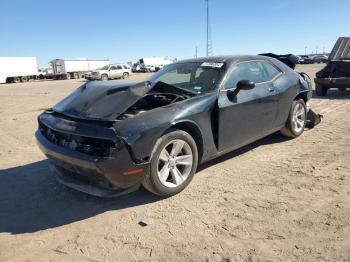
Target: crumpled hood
(102, 100)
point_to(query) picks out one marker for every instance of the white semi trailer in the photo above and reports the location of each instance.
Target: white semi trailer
(75, 68)
(18, 69)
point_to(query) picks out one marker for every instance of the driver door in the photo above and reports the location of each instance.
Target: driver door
(251, 113)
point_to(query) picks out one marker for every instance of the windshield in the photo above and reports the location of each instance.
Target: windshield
(105, 67)
(195, 77)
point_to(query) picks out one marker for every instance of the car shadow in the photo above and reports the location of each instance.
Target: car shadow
(32, 200)
(269, 140)
(333, 94)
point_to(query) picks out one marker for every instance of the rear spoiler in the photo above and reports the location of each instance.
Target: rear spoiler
(289, 59)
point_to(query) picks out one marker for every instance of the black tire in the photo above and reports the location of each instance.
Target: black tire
(24, 79)
(104, 77)
(321, 90)
(290, 130)
(125, 75)
(68, 76)
(16, 79)
(152, 181)
(75, 76)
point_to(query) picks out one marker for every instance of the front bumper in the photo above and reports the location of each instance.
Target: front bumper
(99, 176)
(93, 77)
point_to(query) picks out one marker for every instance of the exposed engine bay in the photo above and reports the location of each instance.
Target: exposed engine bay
(151, 101)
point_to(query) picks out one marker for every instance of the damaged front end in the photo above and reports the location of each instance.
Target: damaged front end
(86, 155)
(85, 150)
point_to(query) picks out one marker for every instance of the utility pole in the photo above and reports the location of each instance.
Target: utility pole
(316, 49)
(323, 50)
(305, 50)
(207, 27)
(209, 43)
(196, 52)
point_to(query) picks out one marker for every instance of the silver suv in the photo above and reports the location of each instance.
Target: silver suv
(110, 72)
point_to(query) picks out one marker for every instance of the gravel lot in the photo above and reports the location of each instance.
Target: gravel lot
(274, 200)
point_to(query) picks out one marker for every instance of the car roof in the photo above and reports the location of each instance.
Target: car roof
(230, 59)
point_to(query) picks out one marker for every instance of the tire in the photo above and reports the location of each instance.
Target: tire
(125, 75)
(296, 121)
(176, 176)
(75, 76)
(68, 76)
(24, 79)
(16, 79)
(104, 77)
(321, 90)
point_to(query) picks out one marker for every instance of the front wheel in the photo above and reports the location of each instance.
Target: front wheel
(173, 163)
(104, 77)
(296, 121)
(125, 75)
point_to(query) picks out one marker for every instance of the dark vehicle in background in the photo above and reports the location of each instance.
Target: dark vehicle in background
(336, 74)
(108, 138)
(304, 59)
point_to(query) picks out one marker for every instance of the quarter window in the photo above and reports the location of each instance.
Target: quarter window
(270, 70)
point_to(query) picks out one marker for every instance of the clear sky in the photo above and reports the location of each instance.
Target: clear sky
(127, 30)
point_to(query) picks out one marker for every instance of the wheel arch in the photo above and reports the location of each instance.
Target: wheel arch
(302, 95)
(193, 129)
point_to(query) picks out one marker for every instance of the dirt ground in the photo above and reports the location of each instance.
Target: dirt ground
(274, 200)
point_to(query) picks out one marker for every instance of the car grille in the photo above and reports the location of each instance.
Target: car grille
(86, 145)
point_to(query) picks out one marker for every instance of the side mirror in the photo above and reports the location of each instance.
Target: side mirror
(245, 85)
(241, 85)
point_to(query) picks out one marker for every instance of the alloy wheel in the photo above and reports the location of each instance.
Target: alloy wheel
(175, 163)
(298, 119)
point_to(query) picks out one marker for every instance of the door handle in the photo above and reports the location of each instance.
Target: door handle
(271, 89)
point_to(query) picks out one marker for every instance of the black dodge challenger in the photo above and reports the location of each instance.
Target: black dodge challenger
(108, 138)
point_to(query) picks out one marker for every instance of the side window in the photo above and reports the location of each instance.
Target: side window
(252, 71)
(270, 70)
(256, 71)
(112, 68)
(119, 67)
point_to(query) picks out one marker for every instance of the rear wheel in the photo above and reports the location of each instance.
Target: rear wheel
(68, 76)
(16, 79)
(321, 90)
(296, 121)
(24, 79)
(173, 163)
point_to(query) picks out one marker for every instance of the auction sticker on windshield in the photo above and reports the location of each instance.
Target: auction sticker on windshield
(210, 64)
